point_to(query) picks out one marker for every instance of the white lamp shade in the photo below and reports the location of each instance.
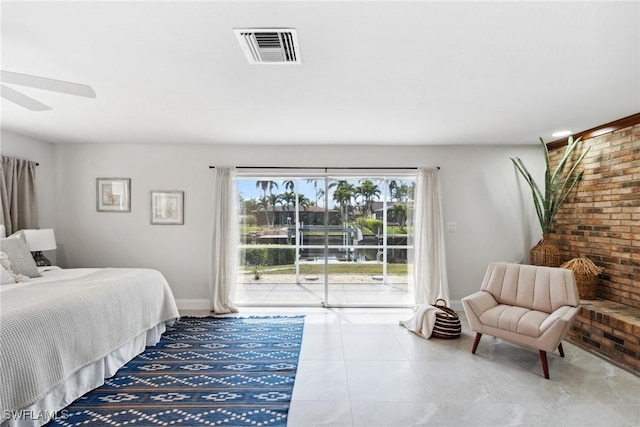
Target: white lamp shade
(40, 240)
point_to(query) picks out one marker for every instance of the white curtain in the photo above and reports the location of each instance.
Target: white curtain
(430, 264)
(224, 241)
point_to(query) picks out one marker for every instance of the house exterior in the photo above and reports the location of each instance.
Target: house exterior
(309, 216)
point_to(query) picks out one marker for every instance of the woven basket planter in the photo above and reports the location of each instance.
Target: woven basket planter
(586, 273)
(546, 253)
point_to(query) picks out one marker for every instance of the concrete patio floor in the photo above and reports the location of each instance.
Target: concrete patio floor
(344, 289)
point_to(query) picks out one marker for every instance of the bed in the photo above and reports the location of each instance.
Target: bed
(63, 333)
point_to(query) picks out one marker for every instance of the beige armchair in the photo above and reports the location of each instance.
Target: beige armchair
(526, 305)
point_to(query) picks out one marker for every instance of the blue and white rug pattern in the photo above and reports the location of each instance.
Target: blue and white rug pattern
(225, 371)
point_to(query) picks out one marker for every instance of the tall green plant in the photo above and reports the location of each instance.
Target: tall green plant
(557, 184)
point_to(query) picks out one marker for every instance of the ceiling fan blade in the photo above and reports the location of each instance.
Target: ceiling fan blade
(22, 100)
(47, 84)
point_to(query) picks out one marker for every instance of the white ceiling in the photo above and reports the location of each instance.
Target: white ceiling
(372, 72)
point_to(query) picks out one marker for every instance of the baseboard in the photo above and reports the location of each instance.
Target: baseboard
(192, 304)
(203, 304)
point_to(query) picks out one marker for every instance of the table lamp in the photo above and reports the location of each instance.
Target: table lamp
(40, 240)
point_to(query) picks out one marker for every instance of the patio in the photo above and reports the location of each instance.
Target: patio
(343, 289)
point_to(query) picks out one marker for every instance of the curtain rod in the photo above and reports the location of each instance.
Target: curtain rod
(37, 164)
(317, 167)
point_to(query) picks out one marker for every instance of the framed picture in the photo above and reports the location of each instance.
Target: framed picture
(167, 207)
(113, 194)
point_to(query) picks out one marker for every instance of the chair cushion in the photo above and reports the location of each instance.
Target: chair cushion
(515, 319)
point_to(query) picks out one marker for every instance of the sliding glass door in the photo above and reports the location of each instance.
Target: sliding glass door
(325, 239)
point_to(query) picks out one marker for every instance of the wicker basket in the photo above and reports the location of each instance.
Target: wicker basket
(545, 253)
(587, 285)
(447, 324)
(586, 273)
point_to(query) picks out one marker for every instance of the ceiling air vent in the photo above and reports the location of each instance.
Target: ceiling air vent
(269, 45)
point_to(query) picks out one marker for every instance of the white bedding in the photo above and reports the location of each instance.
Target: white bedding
(50, 274)
(63, 333)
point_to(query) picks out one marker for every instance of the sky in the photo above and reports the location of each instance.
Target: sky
(247, 189)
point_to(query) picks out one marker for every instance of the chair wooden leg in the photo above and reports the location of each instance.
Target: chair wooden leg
(545, 366)
(476, 342)
(561, 350)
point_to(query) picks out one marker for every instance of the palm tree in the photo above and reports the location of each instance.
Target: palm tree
(266, 185)
(343, 195)
(335, 184)
(393, 185)
(250, 205)
(287, 200)
(368, 191)
(268, 204)
(402, 192)
(289, 185)
(319, 194)
(398, 213)
(263, 205)
(303, 201)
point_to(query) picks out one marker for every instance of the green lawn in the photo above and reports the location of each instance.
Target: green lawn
(340, 268)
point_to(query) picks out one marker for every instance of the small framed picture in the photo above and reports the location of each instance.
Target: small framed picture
(167, 207)
(113, 194)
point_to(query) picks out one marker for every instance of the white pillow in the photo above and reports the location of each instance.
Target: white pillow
(18, 235)
(6, 278)
(21, 259)
(5, 263)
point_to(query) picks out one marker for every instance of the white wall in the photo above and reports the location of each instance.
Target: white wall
(481, 192)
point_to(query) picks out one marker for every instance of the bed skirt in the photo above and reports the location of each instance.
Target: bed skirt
(83, 381)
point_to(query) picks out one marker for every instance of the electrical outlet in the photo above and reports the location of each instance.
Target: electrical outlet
(452, 227)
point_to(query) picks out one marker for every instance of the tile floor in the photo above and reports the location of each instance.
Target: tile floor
(285, 291)
(358, 367)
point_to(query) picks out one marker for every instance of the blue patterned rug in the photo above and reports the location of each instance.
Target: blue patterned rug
(233, 371)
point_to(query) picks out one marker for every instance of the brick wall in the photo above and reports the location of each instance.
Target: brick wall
(601, 220)
(611, 330)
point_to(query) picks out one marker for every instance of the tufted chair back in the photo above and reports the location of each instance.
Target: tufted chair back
(536, 288)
